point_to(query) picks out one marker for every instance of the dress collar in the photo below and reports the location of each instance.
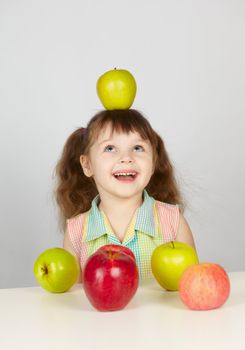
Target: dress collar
(144, 220)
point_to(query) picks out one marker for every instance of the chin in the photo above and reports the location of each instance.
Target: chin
(128, 192)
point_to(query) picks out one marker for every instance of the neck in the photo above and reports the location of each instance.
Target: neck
(117, 206)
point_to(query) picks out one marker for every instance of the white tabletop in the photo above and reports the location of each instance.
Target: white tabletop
(31, 318)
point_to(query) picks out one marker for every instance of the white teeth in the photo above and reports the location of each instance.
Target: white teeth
(124, 174)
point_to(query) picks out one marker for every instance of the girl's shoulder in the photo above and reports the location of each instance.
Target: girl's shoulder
(163, 206)
(77, 217)
(75, 231)
(168, 215)
(76, 223)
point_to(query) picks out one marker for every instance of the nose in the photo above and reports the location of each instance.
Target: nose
(126, 159)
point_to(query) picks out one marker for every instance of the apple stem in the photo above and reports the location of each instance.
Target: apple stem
(173, 244)
(110, 255)
(45, 270)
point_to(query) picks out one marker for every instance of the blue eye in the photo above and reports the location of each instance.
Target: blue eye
(108, 147)
(138, 146)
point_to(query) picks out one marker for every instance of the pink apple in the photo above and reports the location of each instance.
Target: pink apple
(118, 248)
(204, 286)
(110, 279)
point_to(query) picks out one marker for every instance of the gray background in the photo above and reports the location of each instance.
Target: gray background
(188, 60)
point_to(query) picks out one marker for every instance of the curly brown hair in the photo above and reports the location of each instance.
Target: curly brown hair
(74, 191)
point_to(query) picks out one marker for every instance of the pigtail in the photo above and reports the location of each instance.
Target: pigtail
(74, 191)
(163, 185)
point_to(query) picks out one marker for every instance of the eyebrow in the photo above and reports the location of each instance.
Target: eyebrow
(138, 140)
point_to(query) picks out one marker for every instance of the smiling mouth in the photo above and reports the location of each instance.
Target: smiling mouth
(125, 177)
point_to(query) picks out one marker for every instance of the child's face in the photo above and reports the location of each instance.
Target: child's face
(119, 152)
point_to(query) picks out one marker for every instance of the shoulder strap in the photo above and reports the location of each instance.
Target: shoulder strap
(169, 220)
(75, 231)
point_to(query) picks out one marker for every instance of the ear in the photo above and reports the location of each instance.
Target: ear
(86, 166)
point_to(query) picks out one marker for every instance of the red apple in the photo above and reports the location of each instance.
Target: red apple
(118, 248)
(110, 279)
(204, 286)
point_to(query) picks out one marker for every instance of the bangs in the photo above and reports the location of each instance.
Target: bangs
(122, 121)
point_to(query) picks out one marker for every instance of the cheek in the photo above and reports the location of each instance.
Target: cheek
(150, 166)
(103, 166)
(147, 159)
(108, 159)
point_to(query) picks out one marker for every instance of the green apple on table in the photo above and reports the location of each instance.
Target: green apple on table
(116, 89)
(56, 270)
(169, 261)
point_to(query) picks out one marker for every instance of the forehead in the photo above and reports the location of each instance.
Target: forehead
(107, 133)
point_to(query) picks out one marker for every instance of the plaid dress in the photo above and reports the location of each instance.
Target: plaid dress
(153, 223)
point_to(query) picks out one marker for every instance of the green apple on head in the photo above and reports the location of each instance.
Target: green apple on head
(116, 89)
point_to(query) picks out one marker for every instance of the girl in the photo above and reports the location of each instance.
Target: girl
(116, 186)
